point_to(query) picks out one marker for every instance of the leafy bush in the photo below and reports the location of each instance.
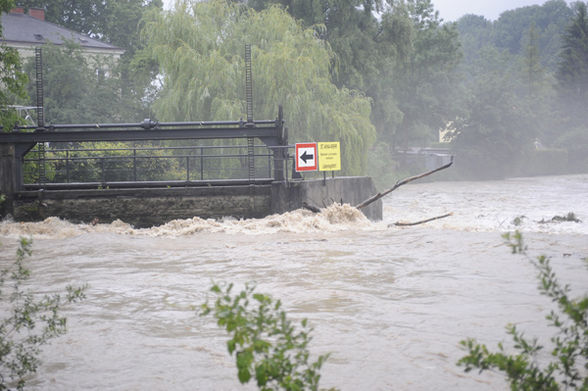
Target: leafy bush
(569, 367)
(29, 322)
(266, 344)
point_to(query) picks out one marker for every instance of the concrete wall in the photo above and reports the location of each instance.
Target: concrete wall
(144, 207)
(322, 193)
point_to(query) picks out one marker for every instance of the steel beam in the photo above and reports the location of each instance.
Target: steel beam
(271, 134)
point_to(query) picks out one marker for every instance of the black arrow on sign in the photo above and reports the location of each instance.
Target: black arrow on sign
(306, 157)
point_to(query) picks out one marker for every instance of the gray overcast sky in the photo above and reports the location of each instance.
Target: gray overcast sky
(451, 10)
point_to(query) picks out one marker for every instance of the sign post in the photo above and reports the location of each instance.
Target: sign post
(306, 157)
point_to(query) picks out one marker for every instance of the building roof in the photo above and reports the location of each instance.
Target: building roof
(25, 30)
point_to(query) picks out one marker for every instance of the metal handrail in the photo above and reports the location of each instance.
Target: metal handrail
(188, 166)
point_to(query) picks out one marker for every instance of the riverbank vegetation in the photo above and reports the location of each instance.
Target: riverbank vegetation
(267, 345)
(28, 321)
(568, 366)
(386, 79)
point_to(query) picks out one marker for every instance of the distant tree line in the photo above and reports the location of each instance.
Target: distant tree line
(524, 80)
(377, 76)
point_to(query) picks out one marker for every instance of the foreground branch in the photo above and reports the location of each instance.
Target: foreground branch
(400, 183)
(401, 224)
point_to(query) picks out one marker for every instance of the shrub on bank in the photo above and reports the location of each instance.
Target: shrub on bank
(29, 322)
(569, 366)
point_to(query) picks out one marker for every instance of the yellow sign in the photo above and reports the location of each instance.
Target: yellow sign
(329, 156)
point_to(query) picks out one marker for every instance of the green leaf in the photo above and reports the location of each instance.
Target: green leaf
(231, 346)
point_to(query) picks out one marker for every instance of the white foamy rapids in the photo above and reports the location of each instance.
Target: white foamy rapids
(334, 218)
(524, 204)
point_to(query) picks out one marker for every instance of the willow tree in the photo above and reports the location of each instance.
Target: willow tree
(200, 48)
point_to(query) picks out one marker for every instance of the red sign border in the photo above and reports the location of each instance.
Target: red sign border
(309, 168)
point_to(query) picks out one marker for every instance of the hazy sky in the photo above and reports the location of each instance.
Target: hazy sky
(451, 10)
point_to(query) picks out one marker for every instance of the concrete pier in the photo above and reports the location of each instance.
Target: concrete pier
(321, 193)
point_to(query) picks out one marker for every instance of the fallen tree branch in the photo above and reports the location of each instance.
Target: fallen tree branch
(400, 224)
(400, 183)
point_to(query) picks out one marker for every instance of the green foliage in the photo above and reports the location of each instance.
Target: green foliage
(382, 167)
(82, 88)
(499, 122)
(426, 83)
(510, 31)
(266, 344)
(572, 74)
(404, 60)
(104, 162)
(29, 322)
(200, 47)
(569, 366)
(111, 21)
(79, 88)
(12, 79)
(549, 20)
(511, 95)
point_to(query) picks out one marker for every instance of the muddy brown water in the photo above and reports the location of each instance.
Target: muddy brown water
(390, 304)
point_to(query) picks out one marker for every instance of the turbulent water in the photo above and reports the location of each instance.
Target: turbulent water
(389, 303)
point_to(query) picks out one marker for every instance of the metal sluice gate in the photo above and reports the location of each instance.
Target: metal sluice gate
(188, 164)
(56, 163)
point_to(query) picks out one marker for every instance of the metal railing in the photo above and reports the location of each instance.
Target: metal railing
(166, 165)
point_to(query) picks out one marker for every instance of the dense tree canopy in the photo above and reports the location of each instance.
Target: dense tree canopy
(341, 68)
(511, 31)
(77, 90)
(200, 46)
(573, 68)
(426, 83)
(540, 103)
(115, 22)
(403, 58)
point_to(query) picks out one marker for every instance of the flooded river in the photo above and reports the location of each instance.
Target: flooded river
(390, 303)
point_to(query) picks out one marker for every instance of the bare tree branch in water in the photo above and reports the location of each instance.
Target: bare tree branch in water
(378, 196)
(401, 224)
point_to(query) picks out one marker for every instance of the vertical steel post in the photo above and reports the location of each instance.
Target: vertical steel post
(201, 163)
(40, 113)
(135, 164)
(39, 86)
(281, 153)
(269, 166)
(67, 166)
(249, 98)
(188, 168)
(102, 169)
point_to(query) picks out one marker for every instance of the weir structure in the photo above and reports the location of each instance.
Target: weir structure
(147, 203)
(49, 155)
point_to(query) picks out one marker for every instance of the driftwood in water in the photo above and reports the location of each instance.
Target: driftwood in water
(400, 224)
(400, 183)
(311, 208)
